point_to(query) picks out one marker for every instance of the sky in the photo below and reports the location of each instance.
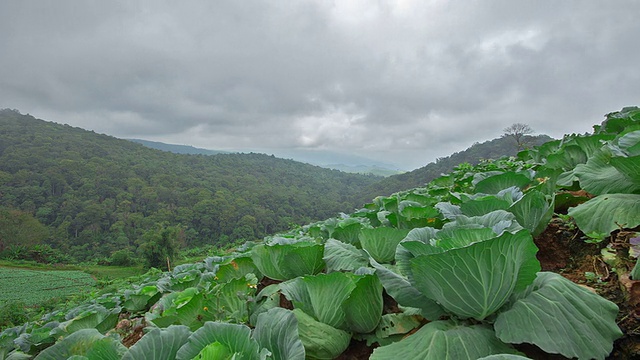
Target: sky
(402, 82)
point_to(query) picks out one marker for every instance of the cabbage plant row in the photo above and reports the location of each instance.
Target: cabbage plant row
(448, 270)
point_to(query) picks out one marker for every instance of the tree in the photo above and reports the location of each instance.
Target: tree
(160, 246)
(518, 131)
(19, 228)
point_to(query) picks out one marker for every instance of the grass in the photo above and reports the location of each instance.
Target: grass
(113, 272)
(32, 265)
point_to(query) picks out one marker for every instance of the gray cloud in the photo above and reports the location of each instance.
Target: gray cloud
(400, 81)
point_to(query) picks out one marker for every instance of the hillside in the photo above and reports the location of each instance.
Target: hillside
(492, 149)
(364, 169)
(177, 149)
(357, 164)
(96, 194)
(527, 258)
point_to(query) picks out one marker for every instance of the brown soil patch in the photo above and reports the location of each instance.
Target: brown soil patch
(390, 304)
(266, 282)
(554, 252)
(357, 350)
(134, 336)
(285, 303)
(563, 251)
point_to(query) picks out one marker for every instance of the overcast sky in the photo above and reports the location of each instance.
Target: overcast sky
(403, 82)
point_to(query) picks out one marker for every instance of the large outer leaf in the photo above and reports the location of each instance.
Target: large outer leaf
(629, 166)
(390, 327)
(296, 291)
(495, 183)
(94, 316)
(363, 307)
(83, 342)
(619, 120)
(159, 343)
(342, 300)
(141, 299)
(321, 296)
(561, 317)
(412, 215)
(498, 221)
(277, 331)
(629, 143)
(444, 340)
(342, 256)
(38, 337)
(401, 290)
(533, 211)
(321, 341)
(567, 158)
(477, 280)
(267, 299)
(458, 237)
(598, 176)
(180, 279)
(381, 242)
(484, 205)
(237, 338)
(287, 261)
(604, 213)
(417, 238)
(228, 301)
(423, 235)
(178, 308)
(236, 268)
(347, 231)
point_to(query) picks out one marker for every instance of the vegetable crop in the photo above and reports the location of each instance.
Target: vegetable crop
(448, 270)
(34, 286)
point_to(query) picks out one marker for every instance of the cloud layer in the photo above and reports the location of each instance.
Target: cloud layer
(400, 81)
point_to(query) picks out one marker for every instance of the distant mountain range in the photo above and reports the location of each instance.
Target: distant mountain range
(177, 149)
(327, 159)
(364, 169)
(394, 179)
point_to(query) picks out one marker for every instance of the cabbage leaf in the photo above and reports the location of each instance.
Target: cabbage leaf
(444, 340)
(560, 317)
(475, 281)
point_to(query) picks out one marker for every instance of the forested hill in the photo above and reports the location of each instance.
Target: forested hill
(96, 194)
(178, 149)
(492, 149)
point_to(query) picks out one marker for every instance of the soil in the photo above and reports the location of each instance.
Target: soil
(357, 350)
(134, 336)
(266, 282)
(129, 329)
(563, 250)
(284, 302)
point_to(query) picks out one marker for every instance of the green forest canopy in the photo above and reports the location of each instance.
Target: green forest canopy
(97, 194)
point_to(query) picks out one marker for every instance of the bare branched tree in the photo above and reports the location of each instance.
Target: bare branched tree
(518, 131)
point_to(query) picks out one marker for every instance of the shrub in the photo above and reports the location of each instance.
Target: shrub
(13, 313)
(122, 257)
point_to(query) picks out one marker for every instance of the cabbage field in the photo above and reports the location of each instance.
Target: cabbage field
(33, 287)
(450, 270)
